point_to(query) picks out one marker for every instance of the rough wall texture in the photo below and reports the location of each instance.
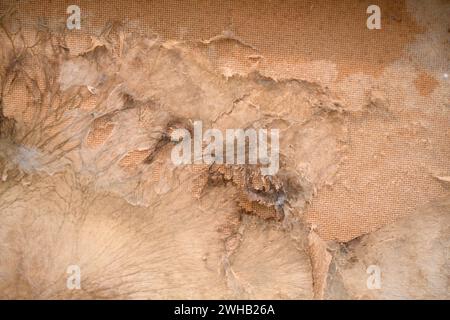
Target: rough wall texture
(86, 176)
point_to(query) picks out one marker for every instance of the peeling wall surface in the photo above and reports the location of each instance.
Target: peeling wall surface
(359, 207)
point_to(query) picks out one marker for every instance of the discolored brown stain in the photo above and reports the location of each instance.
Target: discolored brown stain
(283, 32)
(425, 84)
